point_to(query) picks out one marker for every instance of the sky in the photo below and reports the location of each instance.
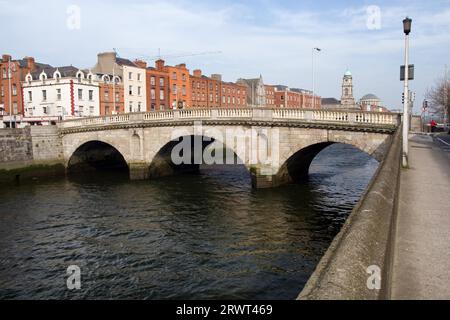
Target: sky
(271, 38)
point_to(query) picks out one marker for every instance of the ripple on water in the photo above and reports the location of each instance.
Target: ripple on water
(204, 236)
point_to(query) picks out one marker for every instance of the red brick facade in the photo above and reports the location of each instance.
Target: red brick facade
(19, 69)
(111, 99)
(158, 88)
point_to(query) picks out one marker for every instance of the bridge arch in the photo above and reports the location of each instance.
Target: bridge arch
(161, 162)
(96, 155)
(295, 163)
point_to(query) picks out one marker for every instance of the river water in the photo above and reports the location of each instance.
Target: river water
(194, 236)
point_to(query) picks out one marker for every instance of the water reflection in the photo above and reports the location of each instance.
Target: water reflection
(202, 236)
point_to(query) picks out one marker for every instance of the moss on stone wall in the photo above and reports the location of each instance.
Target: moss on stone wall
(30, 172)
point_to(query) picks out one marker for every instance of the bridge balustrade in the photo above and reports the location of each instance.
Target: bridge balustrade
(331, 116)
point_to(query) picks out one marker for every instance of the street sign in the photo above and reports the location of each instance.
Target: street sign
(410, 72)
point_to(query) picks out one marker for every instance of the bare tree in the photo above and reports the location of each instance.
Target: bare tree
(439, 97)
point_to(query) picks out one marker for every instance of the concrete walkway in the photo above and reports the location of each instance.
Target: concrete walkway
(421, 263)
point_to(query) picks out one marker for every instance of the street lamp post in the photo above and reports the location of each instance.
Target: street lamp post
(313, 73)
(406, 29)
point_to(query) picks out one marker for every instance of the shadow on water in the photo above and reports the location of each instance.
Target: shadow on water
(204, 235)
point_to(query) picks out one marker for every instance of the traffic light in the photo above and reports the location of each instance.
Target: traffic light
(403, 98)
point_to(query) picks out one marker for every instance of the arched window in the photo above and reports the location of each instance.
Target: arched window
(57, 75)
(43, 76)
(346, 91)
(80, 76)
(28, 78)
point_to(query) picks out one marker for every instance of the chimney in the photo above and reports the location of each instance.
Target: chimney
(6, 57)
(198, 73)
(217, 77)
(159, 64)
(141, 63)
(31, 65)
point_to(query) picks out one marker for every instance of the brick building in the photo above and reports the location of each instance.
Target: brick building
(270, 96)
(212, 92)
(19, 69)
(233, 95)
(179, 86)
(111, 94)
(286, 97)
(157, 87)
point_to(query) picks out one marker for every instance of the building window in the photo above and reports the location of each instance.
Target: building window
(44, 110)
(15, 109)
(106, 95)
(139, 77)
(184, 77)
(130, 75)
(152, 81)
(161, 82)
(80, 110)
(91, 95)
(210, 97)
(106, 109)
(117, 97)
(80, 94)
(44, 95)
(139, 107)
(30, 96)
(14, 89)
(161, 94)
(131, 106)
(139, 91)
(130, 90)
(58, 94)
(153, 94)
(174, 76)
(4, 73)
(91, 110)
(3, 92)
(223, 99)
(174, 89)
(183, 90)
(162, 107)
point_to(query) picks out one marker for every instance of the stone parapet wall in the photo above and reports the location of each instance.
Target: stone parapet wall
(364, 243)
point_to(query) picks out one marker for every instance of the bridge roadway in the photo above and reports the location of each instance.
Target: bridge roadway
(287, 139)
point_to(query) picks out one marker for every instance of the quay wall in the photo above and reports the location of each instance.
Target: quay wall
(361, 252)
(30, 153)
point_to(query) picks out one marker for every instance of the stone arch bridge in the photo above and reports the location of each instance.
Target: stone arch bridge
(276, 145)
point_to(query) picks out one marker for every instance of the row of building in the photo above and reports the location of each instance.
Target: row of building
(37, 93)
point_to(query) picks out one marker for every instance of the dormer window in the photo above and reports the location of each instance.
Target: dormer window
(57, 76)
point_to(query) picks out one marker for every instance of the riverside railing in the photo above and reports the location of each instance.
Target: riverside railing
(259, 114)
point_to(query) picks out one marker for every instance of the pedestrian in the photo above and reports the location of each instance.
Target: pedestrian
(433, 125)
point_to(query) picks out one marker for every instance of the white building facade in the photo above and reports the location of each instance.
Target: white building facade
(61, 93)
(135, 94)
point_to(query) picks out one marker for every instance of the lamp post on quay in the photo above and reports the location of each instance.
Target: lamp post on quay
(406, 29)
